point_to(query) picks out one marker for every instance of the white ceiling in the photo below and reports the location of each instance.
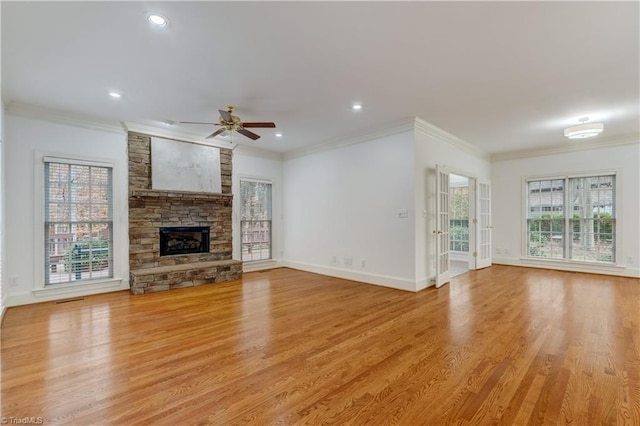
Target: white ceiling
(502, 76)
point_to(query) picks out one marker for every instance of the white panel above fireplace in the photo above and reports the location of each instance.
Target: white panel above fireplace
(184, 166)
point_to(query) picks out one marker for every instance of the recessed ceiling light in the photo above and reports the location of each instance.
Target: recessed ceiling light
(168, 122)
(157, 20)
(115, 95)
(356, 107)
(278, 135)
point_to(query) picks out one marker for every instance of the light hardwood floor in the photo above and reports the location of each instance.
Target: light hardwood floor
(503, 345)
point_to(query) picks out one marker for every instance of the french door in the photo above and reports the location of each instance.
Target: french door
(443, 274)
(482, 230)
(483, 225)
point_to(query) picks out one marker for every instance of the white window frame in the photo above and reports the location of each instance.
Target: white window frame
(271, 241)
(39, 288)
(571, 263)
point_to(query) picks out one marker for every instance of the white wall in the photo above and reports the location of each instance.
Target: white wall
(3, 280)
(24, 136)
(508, 214)
(337, 204)
(436, 148)
(2, 197)
(250, 166)
(344, 203)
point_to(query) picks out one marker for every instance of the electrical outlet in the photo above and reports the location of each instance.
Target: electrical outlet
(403, 213)
(629, 260)
(348, 261)
(14, 281)
(363, 263)
(498, 251)
(334, 259)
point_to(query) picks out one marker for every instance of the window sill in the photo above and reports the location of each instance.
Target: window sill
(259, 265)
(573, 264)
(75, 288)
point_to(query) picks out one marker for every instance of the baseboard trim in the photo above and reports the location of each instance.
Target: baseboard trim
(381, 280)
(2, 312)
(425, 283)
(572, 267)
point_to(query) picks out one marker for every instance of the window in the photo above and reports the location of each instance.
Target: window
(459, 218)
(78, 221)
(572, 218)
(255, 221)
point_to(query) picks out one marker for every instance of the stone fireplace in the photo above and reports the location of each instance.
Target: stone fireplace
(196, 226)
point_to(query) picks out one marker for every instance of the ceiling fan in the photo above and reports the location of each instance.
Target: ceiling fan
(232, 123)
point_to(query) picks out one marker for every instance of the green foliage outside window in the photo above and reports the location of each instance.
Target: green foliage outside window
(94, 250)
(554, 223)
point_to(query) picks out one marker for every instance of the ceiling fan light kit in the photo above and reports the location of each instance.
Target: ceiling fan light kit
(584, 130)
(232, 123)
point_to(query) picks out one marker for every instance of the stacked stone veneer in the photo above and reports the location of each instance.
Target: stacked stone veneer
(150, 210)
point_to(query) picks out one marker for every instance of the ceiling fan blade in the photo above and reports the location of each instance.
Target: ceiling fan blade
(248, 134)
(226, 115)
(199, 122)
(258, 124)
(216, 133)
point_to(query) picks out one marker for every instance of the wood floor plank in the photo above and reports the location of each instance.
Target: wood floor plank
(502, 345)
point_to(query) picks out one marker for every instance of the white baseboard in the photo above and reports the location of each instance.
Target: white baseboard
(347, 274)
(425, 283)
(571, 267)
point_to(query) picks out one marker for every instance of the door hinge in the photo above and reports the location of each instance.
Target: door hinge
(475, 220)
(475, 254)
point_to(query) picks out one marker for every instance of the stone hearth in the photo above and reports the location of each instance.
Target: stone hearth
(150, 210)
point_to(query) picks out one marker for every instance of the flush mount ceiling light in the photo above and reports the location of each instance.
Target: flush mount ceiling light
(278, 135)
(584, 130)
(115, 95)
(157, 20)
(356, 107)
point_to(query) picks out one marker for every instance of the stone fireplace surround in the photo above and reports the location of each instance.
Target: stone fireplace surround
(150, 210)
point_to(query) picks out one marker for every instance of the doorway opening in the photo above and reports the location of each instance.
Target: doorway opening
(459, 212)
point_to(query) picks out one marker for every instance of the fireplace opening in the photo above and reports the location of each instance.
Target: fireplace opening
(184, 240)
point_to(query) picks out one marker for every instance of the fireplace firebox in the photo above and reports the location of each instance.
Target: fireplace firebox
(184, 240)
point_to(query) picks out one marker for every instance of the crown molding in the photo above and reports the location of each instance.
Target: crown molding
(430, 130)
(63, 117)
(560, 149)
(161, 132)
(252, 151)
(122, 127)
(390, 130)
(167, 133)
